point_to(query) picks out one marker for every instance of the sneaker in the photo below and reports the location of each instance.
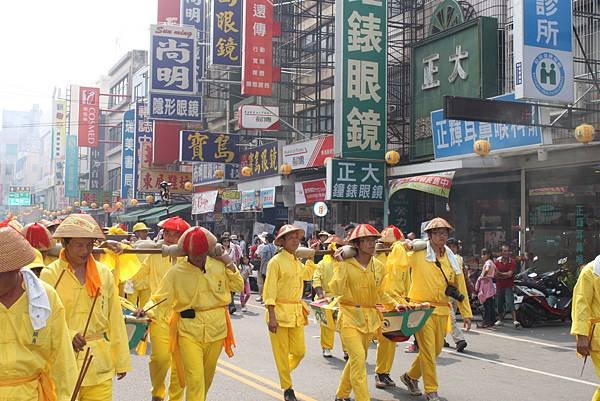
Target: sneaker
(288, 395)
(244, 309)
(446, 345)
(327, 353)
(461, 345)
(259, 299)
(517, 324)
(346, 356)
(499, 323)
(411, 384)
(411, 349)
(383, 380)
(432, 397)
(232, 310)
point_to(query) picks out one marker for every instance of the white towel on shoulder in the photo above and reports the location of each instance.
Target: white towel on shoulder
(451, 257)
(596, 265)
(39, 304)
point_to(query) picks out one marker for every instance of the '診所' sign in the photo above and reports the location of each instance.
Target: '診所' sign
(361, 78)
(355, 180)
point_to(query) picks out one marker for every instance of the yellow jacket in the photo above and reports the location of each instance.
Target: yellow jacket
(49, 259)
(429, 285)
(322, 275)
(106, 333)
(360, 289)
(25, 353)
(185, 286)
(284, 286)
(397, 279)
(586, 305)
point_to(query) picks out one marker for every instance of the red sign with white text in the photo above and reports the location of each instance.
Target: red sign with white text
(308, 192)
(89, 117)
(257, 64)
(168, 11)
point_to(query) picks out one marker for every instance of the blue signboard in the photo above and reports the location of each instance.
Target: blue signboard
(144, 133)
(201, 146)
(173, 59)
(548, 24)
(456, 137)
(72, 168)
(193, 13)
(205, 173)
(165, 106)
(262, 160)
(227, 32)
(128, 155)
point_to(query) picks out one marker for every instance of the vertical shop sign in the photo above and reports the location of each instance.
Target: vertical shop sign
(59, 131)
(72, 168)
(361, 82)
(226, 32)
(193, 13)
(168, 12)
(128, 155)
(543, 49)
(579, 240)
(89, 116)
(257, 66)
(143, 136)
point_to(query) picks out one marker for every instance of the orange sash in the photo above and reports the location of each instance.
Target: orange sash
(46, 388)
(92, 278)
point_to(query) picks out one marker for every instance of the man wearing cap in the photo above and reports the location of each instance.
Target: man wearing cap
(81, 282)
(38, 363)
(358, 281)
(320, 244)
(435, 273)
(286, 313)
(197, 291)
(140, 231)
(396, 285)
(153, 269)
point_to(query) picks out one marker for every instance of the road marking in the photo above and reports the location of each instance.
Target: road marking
(550, 345)
(247, 382)
(261, 379)
(508, 365)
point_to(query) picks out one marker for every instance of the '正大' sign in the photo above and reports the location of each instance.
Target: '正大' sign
(355, 180)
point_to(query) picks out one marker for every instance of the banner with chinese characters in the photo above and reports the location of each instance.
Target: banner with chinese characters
(361, 79)
(199, 146)
(266, 198)
(543, 50)
(355, 180)
(206, 173)
(257, 65)
(204, 202)
(262, 160)
(72, 168)
(231, 201)
(128, 155)
(308, 192)
(95, 196)
(308, 154)
(456, 137)
(59, 128)
(144, 135)
(89, 117)
(150, 180)
(248, 200)
(438, 184)
(193, 13)
(226, 32)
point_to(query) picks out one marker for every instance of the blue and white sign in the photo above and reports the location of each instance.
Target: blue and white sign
(72, 168)
(543, 50)
(144, 133)
(267, 197)
(128, 155)
(193, 13)
(226, 29)
(205, 173)
(165, 106)
(453, 138)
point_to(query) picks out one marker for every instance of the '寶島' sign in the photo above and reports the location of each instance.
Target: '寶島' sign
(199, 146)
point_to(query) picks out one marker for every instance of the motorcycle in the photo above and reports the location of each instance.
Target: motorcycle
(542, 297)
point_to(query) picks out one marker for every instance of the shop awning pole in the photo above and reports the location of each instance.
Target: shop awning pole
(523, 219)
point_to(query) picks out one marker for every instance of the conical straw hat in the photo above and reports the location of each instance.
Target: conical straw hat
(78, 225)
(15, 251)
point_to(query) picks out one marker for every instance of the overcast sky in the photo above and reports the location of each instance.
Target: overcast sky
(55, 43)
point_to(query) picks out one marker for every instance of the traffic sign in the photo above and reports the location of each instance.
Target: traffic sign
(320, 209)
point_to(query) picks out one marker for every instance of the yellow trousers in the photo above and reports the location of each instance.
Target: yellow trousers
(200, 363)
(288, 350)
(386, 351)
(354, 376)
(139, 297)
(160, 362)
(327, 337)
(99, 392)
(596, 360)
(431, 341)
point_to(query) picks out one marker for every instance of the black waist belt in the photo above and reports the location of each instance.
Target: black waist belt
(188, 314)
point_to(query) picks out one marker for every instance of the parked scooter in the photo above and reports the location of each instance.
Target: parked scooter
(544, 297)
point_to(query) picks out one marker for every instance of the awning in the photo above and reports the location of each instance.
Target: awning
(150, 213)
(162, 213)
(132, 216)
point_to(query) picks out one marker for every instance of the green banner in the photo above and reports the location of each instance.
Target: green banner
(361, 79)
(355, 180)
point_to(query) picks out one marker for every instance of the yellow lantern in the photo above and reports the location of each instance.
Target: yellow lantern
(392, 157)
(149, 199)
(84, 203)
(119, 205)
(481, 147)
(76, 204)
(188, 186)
(246, 171)
(219, 174)
(584, 133)
(285, 169)
(106, 206)
(69, 208)
(94, 205)
(133, 202)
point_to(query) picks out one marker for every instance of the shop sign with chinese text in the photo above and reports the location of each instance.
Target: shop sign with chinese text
(168, 11)
(308, 154)
(264, 118)
(543, 50)
(200, 146)
(257, 64)
(59, 131)
(355, 180)
(266, 198)
(263, 160)
(150, 180)
(193, 13)
(361, 79)
(226, 32)
(205, 173)
(128, 155)
(437, 184)
(231, 201)
(248, 201)
(72, 168)
(308, 192)
(460, 61)
(204, 202)
(89, 117)
(456, 137)
(144, 134)
(96, 196)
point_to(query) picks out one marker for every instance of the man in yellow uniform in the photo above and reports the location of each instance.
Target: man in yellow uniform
(435, 275)
(286, 313)
(37, 360)
(82, 282)
(198, 291)
(358, 281)
(585, 315)
(153, 270)
(395, 285)
(141, 288)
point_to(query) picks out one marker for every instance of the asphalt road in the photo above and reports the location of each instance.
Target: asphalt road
(500, 364)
